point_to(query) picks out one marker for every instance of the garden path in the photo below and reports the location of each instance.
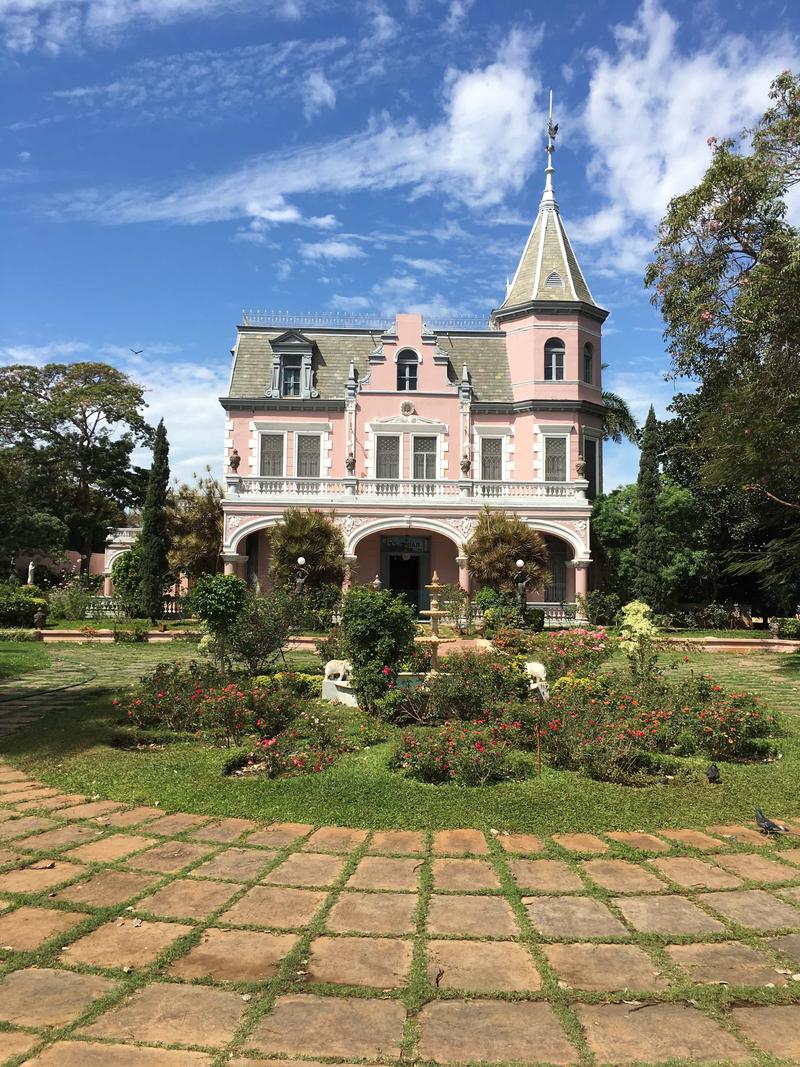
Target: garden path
(131, 937)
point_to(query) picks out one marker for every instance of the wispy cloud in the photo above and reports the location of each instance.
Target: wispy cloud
(211, 82)
(479, 151)
(398, 293)
(46, 353)
(650, 108)
(426, 266)
(457, 14)
(330, 250)
(383, 27)
(318, 93)
(58, 25)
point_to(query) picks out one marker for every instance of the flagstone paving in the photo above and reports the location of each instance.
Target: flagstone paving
(130, 937)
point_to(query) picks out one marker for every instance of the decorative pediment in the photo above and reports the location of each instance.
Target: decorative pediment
(292, 337)
(410, 419)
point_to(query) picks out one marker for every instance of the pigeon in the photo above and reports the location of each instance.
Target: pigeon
(713, 775)
(767, 826)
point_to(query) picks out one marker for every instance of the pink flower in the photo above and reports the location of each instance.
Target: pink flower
(706, 316)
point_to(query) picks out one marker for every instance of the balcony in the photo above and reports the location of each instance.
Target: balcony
(337, 491)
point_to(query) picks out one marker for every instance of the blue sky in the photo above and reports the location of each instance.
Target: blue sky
(166, 163)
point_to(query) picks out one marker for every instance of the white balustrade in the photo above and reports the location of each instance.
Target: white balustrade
(405, 489)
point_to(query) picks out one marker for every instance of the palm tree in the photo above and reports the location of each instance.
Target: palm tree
(618, 419)
(498, 542)
(314, 536)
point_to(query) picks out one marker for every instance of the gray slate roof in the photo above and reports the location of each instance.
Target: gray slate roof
(334, 350)
(548, 254)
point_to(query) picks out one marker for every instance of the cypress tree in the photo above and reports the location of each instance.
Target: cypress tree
(648, 546)
(154, 540)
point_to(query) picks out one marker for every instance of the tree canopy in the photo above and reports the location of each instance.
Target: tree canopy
(498, 542)
(194, 522)
(314, 536)
(68, 432)
(725, 275)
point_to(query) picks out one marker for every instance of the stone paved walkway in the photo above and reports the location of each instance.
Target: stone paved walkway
(131, 937)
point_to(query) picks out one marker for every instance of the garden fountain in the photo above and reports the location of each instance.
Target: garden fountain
(434, 612)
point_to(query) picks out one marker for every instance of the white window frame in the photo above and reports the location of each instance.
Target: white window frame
(294, 357)
(406, 362)
(374, 456)
(436, 457)
(567, 461)
(273, 433)
(307, 433)
(562, 351)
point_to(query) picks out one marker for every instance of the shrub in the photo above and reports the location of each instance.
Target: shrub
(402, 707)
(789, 629)
(639, 641)
(126, 576)
(500, 617)
(469, 684)
(320, 607)
(310, 745)
(223, 715)
(219, 600)
(19, 605)
(377, 634)
(459, 753)
(534, 619)
(456, 603)
(420, 659)
(165, 697)
(302, 685)
(578, 650)
(70, 600)
(600, 608)
(262, 629)
(331, 647)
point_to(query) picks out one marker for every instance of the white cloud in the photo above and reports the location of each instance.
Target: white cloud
(318, 93)
(56, 25)
(399, 293)
(202, 84)
(383, 26)
(427, 266)
(47, 353)
(650, 109)
(333, 249)
(24, 157)
(480, 150)
(323, 222)
(459, 10)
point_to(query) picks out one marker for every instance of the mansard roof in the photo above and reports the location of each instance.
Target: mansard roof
(484, 353)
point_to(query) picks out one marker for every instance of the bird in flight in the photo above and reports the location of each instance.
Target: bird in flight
(136, 351)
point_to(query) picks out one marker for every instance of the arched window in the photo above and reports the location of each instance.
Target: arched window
(407, 363)
(588, 363)
(554, 360)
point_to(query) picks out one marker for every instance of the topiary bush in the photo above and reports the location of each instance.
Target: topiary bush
(377, 632)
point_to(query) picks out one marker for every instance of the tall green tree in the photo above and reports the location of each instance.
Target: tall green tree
(78, 425)
(725, 275)
(154, 538)
(649, 554)
(498, 542)
(194, 524)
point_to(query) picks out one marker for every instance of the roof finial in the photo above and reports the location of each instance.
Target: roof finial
(552, 132)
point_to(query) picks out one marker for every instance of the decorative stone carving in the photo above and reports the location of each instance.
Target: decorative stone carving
(233, 521)
(465, 464)
(348, 523)
(234, 460)
(350, 463)
(580, 525)
(407, 408)
(465, 526)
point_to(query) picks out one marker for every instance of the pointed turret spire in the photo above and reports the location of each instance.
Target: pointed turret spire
(548, 269)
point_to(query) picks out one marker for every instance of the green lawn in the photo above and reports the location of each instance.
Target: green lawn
(19, 657)
(70, 748)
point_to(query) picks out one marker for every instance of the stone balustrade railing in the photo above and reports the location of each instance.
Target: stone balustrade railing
(384, 489)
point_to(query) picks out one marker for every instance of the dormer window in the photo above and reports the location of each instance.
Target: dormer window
(292, 367)
(553, 280)
(588, 363)
(407, 367)
(554, 360)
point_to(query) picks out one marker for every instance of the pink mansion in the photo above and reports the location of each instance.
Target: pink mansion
(405, 431)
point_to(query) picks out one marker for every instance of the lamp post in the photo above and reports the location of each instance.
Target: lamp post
(520, 582)
(302, 576)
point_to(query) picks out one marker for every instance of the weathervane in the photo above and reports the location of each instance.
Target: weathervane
(552, 133)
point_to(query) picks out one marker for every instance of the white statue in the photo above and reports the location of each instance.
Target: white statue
(338, 670)
(31, 569)
(537, 675)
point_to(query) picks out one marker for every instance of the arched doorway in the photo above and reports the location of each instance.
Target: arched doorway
(405, 559)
